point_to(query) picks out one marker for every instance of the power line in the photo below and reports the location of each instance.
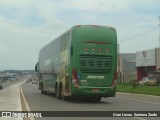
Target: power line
(148, 39)
(139, 34)
(159, 31)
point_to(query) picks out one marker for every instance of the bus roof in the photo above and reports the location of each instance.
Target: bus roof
(78, 26)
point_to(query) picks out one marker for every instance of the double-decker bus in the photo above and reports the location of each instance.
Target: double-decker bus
(81, 62)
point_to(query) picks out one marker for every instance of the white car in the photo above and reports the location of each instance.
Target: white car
(34, 82)
(148, 81)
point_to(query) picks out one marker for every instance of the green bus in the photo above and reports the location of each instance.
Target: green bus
(82, 62)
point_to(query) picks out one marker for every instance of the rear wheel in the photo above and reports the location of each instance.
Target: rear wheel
(57, 91)
(42, 90)
(39, 86)
(65, 98)
(0, 86)
(98, 99)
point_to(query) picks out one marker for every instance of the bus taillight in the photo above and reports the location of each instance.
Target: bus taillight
(107, 50)
(74, 77)
(100, 49)
(114, 82)
(86, 49)
(93, 49)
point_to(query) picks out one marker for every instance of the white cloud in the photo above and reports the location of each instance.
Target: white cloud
(90, 17)
(45, 9)
(16, 3)
(97, 5)
(3, 48)
(10, 27)
(106, 6)
(59, 15)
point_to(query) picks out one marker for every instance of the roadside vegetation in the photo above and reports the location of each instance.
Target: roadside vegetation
(139, 89)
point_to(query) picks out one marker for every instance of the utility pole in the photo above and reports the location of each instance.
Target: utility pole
(159, 31)
(119, 66)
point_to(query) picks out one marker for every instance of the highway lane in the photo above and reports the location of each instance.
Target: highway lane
(40, 102)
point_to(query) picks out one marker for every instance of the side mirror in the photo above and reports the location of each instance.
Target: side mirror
(36, 67)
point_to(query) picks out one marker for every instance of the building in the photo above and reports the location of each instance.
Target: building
(128, 61)
(147, 62)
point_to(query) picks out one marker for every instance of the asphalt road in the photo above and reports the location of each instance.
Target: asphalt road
(40, 102)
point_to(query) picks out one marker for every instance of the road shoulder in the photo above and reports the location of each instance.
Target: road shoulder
(139, 97)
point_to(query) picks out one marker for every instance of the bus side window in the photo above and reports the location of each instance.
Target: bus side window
(71, 50)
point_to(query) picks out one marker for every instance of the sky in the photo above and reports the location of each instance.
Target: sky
(27, 25)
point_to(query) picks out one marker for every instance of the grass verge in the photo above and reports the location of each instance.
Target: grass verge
(149, 90)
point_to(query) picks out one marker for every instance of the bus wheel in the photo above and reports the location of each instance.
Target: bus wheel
(98, 99)
(65, 98)
(39, 86)
(42, 91)
(57, 91)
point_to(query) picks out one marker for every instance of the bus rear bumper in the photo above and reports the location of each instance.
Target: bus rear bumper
(94, 91)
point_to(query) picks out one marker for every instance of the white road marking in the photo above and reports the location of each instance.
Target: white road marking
(139, 118)
(140, 101)
(155, 103)
(25, 101)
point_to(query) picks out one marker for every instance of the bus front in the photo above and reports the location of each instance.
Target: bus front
(94, 61)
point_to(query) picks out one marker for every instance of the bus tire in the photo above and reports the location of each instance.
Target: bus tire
(98, 99)
(57, 91)
(65, 98)
(42, 90)
(39, 86)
